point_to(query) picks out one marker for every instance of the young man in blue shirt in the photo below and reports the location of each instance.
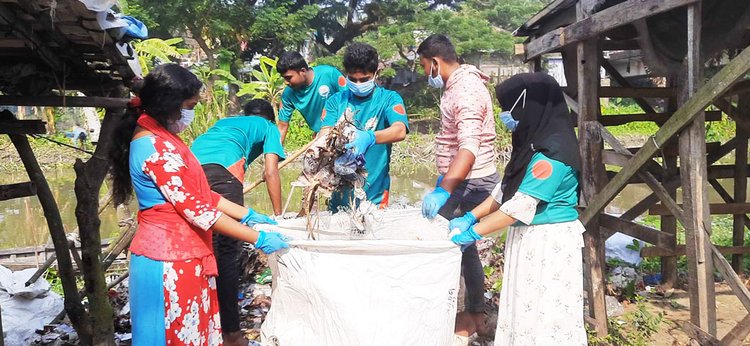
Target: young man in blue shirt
(307, 90)
(379, 116)
(225, 150)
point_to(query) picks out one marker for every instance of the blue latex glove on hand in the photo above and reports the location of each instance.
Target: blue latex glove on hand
(435, 200)
(466, 238)
(270, 242)
(362, 141)
(439, 180)
(253, 217)
(462, 223)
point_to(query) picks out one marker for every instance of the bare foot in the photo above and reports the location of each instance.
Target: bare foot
(234, 339)
(465, 325)
(482, 328)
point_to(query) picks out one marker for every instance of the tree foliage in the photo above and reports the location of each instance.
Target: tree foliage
(153, 51)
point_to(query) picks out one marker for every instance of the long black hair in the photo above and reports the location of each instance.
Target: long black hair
(544, 125)
(161, 96)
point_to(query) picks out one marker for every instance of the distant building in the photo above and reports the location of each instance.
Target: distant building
(498, 66)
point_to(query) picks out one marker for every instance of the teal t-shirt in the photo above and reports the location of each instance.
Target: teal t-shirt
(311, 100)
(555, 184)
(235, 138)
(378, 111)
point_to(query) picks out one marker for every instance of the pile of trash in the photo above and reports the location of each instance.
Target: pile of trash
(327, 166)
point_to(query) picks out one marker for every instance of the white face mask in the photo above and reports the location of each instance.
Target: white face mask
(437, 81)
(186, 117)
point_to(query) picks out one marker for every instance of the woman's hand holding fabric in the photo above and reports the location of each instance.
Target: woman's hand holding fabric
(362, 141)
(466, 238)
(254, 217)
(463, 223)
(270, 242)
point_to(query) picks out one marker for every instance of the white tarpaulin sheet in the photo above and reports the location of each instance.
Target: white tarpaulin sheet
(397, 284)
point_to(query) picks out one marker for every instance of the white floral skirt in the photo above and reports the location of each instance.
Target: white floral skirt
(541, 301)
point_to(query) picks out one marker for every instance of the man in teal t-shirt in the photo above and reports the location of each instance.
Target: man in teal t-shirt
(307, 90)
(379, 115)
(225, 151)
(235, 142)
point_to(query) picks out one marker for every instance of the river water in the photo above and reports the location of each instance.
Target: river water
(22, 220)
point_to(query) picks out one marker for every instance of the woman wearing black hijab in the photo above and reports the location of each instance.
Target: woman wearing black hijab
(541, 301)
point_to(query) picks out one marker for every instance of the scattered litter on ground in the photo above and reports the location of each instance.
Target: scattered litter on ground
(614, 308)
(26, 308)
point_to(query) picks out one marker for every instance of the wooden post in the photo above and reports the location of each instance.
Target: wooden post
(668, 223)
(72, 300)
(740, 182)
(537, 64)
(89, 178)
(593, 175)
(694, 189)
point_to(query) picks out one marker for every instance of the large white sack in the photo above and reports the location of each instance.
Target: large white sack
(377, 291)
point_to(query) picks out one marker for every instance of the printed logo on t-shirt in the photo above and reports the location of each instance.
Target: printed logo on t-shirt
(399, 108)
(323, 115)
(542, 169)
(324, 91)
(342, 81)
(371, 123)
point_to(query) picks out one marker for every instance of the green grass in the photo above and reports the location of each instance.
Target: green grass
(721, 235)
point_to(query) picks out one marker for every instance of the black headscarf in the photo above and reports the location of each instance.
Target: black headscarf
(545, 126)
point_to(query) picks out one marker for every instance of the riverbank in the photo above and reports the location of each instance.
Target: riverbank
(416, 152)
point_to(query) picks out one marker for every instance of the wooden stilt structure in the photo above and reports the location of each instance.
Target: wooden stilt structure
(50, 49)
(677, 155)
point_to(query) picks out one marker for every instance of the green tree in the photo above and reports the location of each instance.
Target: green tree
(153, 51)
(507, 14)
(268, 83)
(215, 25)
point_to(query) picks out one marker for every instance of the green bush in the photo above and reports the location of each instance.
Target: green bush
(299, 133)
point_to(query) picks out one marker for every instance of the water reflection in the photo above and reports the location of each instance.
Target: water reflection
(22, 220)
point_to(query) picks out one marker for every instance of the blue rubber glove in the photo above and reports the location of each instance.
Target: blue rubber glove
(462, 223)
(362, 141)
(439, 180)
(466, 238)
(270, 242)
(253, 217)
(435, 200)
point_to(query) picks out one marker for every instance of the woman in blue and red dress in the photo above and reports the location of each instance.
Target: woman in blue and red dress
(172, 267)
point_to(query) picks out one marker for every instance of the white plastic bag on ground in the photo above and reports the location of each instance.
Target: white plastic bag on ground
(18, 285)
(396, 284)
(29, 309)
(622, 247)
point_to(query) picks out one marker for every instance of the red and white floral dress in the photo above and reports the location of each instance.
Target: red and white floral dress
(172, 269)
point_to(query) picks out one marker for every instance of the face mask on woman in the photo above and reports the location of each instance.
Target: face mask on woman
(507, 117)
(437, 81)
(186, 117)
(361, 89)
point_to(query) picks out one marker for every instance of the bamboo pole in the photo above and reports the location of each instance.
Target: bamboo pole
(286, 162)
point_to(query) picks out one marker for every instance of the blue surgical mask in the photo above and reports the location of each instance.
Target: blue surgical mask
(361, 89)
(437, 81)
(186, 117)
(507, 117)
(508, 121)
